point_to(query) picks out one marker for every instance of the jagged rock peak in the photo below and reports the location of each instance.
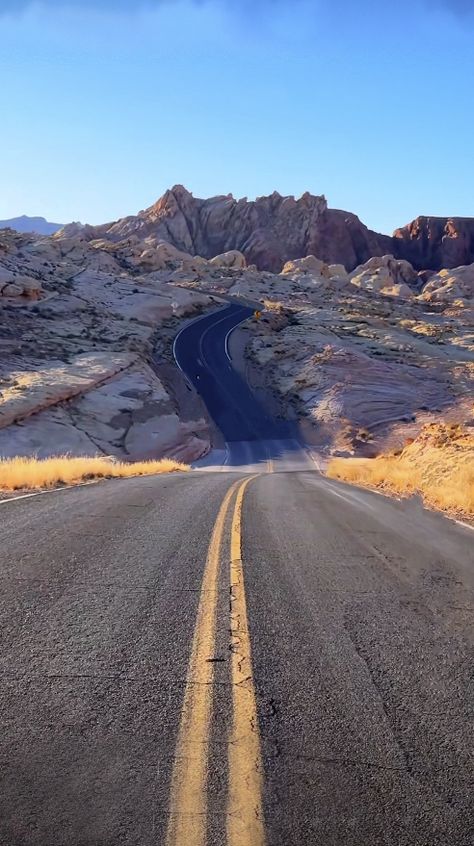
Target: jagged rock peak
(268, 231)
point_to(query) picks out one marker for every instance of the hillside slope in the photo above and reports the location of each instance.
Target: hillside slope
(438, 464)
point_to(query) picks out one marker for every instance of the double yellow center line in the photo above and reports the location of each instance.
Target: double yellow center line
(188, 802)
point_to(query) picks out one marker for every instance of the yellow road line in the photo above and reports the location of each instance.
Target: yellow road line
(245, 822)
(187, 824)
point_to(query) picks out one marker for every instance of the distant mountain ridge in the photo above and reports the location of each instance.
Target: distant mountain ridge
(31, 224)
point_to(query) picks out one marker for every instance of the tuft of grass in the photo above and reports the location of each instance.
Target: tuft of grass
(455, 495)
(23, 473)
(439, 465)
(375, 472)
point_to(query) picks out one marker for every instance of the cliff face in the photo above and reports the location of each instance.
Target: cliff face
(436, 242)
(271, 231)
(268, 231)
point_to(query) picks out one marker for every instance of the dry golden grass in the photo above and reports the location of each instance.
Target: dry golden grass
(34, 474)
(455, 494)
(439, 465)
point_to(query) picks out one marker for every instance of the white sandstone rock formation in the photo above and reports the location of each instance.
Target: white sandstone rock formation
(78, 322)
(128, 415)
(365, 351)
(308, 265)
(233, 259)
(451, 286)
(386, 275)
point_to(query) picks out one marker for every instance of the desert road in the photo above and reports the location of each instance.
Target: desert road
(256, 658)
(253, 441)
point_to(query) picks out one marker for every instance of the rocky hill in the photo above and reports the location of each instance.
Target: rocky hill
(80, 324)
(436, 242)
(268, 231)
(362, 358)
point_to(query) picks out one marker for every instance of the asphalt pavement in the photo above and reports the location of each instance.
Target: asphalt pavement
(230, 658)
(254, 441)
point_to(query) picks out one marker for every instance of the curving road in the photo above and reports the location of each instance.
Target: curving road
(253, 439)
(212, 659)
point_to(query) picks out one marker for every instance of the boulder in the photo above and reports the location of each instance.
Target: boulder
(385, 274)
(31, 288)
(233, 259)
(12, 290)
(163, 255)
(6, 276)
(401, 290)
(337, 270)
(308, 265)
(447, 286)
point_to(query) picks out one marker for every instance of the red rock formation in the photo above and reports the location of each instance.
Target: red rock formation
(268, 231)
(436, 242)
(272, 230)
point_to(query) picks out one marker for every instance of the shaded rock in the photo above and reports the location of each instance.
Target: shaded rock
(232, 259)
(12, 290)
(450, 285)
(337, 270)
(436, 242)
(6, 276)
(309, 264)
(31, 288)
(386, 275)
(268, 231)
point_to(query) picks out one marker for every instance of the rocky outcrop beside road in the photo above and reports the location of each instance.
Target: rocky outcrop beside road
(79, 322)
(363, 356)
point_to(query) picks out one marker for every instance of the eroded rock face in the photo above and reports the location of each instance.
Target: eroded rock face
(273, 230)
(451, 286)
(129, 415)
(357, 356)
(20, 286)
(386, 275)
(436, 242)
(268, 231)
(74, 373)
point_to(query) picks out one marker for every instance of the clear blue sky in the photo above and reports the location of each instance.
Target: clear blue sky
(368, 102)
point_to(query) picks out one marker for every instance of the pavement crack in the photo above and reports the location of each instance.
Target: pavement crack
(405, 754)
